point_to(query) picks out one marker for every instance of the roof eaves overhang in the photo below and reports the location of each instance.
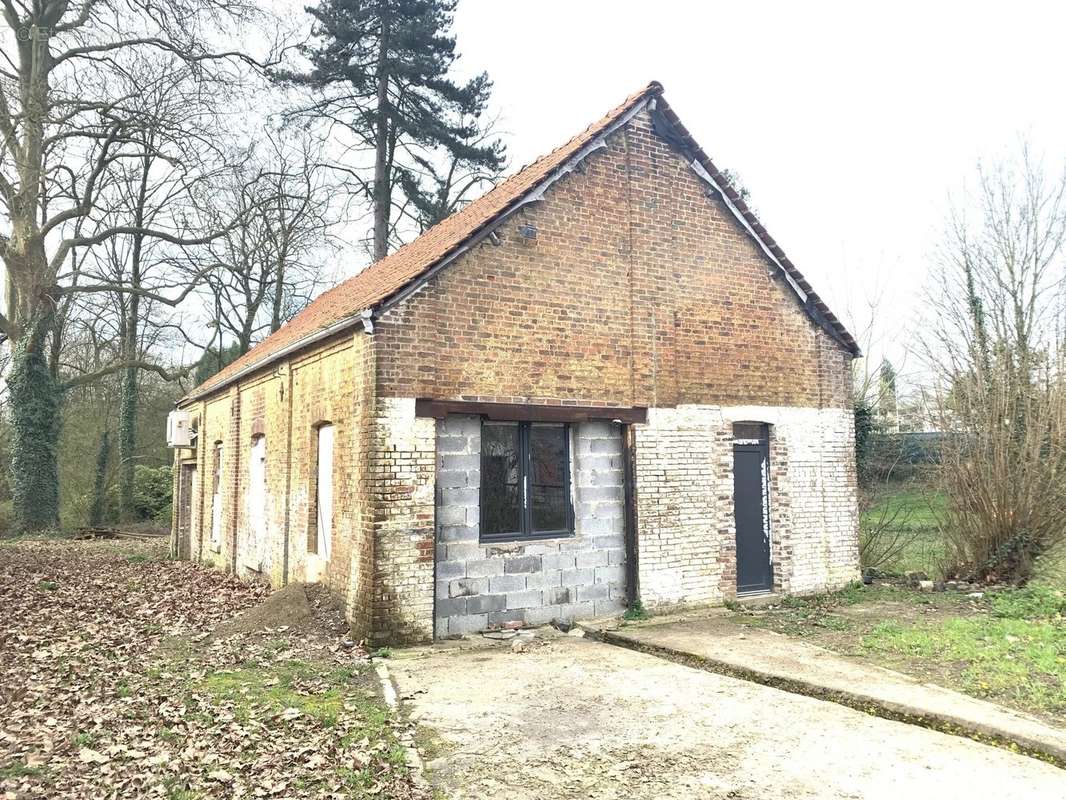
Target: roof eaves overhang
(340, 326)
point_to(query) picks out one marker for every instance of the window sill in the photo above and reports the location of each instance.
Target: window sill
(525, 538)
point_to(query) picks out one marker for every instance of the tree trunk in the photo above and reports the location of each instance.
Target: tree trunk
(127, 441)
(382, 179)
(127, 410)
(98, 509)
(35, 423)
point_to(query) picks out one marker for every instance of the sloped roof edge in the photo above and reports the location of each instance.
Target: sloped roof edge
(673, 130)
(391, 279)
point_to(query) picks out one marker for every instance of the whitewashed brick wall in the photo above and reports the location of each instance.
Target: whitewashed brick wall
(684, 486)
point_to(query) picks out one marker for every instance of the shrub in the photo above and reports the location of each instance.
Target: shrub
(7, 518)
(152, 490)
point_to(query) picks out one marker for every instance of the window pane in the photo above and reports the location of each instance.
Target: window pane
(547, 444)
(501, 496)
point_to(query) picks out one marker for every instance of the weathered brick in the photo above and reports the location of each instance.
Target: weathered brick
(645, 292)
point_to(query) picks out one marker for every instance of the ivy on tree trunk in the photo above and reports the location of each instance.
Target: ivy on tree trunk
(35, 422)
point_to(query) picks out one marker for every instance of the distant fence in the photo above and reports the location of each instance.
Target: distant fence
(903, 455)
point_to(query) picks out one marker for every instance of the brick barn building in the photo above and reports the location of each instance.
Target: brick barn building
(602, 381)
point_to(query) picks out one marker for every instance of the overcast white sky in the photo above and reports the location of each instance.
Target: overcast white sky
(849, 124)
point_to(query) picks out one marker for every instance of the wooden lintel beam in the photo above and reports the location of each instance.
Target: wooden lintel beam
(527, 412)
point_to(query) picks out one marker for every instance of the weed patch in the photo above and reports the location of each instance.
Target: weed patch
(1017, 660)
(1032, 602)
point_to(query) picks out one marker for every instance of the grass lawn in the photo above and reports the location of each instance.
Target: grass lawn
(1008, 647)
(912, 512)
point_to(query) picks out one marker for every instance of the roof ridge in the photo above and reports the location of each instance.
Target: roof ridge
(342, 305)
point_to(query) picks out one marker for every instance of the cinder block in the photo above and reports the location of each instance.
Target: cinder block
(458, 497)
(463, 551)
(502, 584)
(597, 591)
(451, 607)
(471, 623)
(559, 595)
(610, 574)
(578, 611)
(451, 569)
(609, 542)
(447, 445)
(497, 618)
(541, 615)
(461, 425)
(542, 579)
(454, 479)
(458, 462)
(458, 533)
(451, 515)
(484, 567)
(610, 607)
(522, 564)
(554, 561)
(484, 603)
(576, 577)
(531, 598)
(465, 587)
(591, 558)
(596, 527)
(602, 494)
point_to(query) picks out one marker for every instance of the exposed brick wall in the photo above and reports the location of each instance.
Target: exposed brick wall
(334, 384)
(481, 586)
(638, 289)
(402, 476)
(685, 513)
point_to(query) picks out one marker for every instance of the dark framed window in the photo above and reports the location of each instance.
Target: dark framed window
(525, 481)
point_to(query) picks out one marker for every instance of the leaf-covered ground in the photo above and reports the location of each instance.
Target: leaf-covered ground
(115, 683)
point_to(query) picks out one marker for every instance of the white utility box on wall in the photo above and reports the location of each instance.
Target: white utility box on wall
(179, 429)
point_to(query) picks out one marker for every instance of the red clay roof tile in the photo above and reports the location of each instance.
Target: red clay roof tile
(386, 277)
(389, 275)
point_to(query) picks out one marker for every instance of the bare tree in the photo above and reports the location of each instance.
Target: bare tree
(64, 131)
(267, 266)
(997, 352)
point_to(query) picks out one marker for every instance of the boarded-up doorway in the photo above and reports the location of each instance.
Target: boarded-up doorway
(186, 522)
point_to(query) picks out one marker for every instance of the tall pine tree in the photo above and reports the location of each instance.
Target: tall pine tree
(381, 70)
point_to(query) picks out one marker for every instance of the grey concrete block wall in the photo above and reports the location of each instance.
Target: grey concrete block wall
(483, 586)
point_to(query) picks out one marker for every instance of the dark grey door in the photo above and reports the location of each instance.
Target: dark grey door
(750, 498)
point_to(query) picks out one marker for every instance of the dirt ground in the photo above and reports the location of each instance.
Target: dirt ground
(574, 718)
(124, 674)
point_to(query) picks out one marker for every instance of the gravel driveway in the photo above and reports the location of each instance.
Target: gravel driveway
(574, 718)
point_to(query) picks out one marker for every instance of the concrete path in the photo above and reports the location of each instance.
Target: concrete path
(575, 718)
(777, 660)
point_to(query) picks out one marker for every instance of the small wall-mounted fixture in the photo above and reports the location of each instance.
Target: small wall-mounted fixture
(527, 231)
(179, 429)
(367, 316)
